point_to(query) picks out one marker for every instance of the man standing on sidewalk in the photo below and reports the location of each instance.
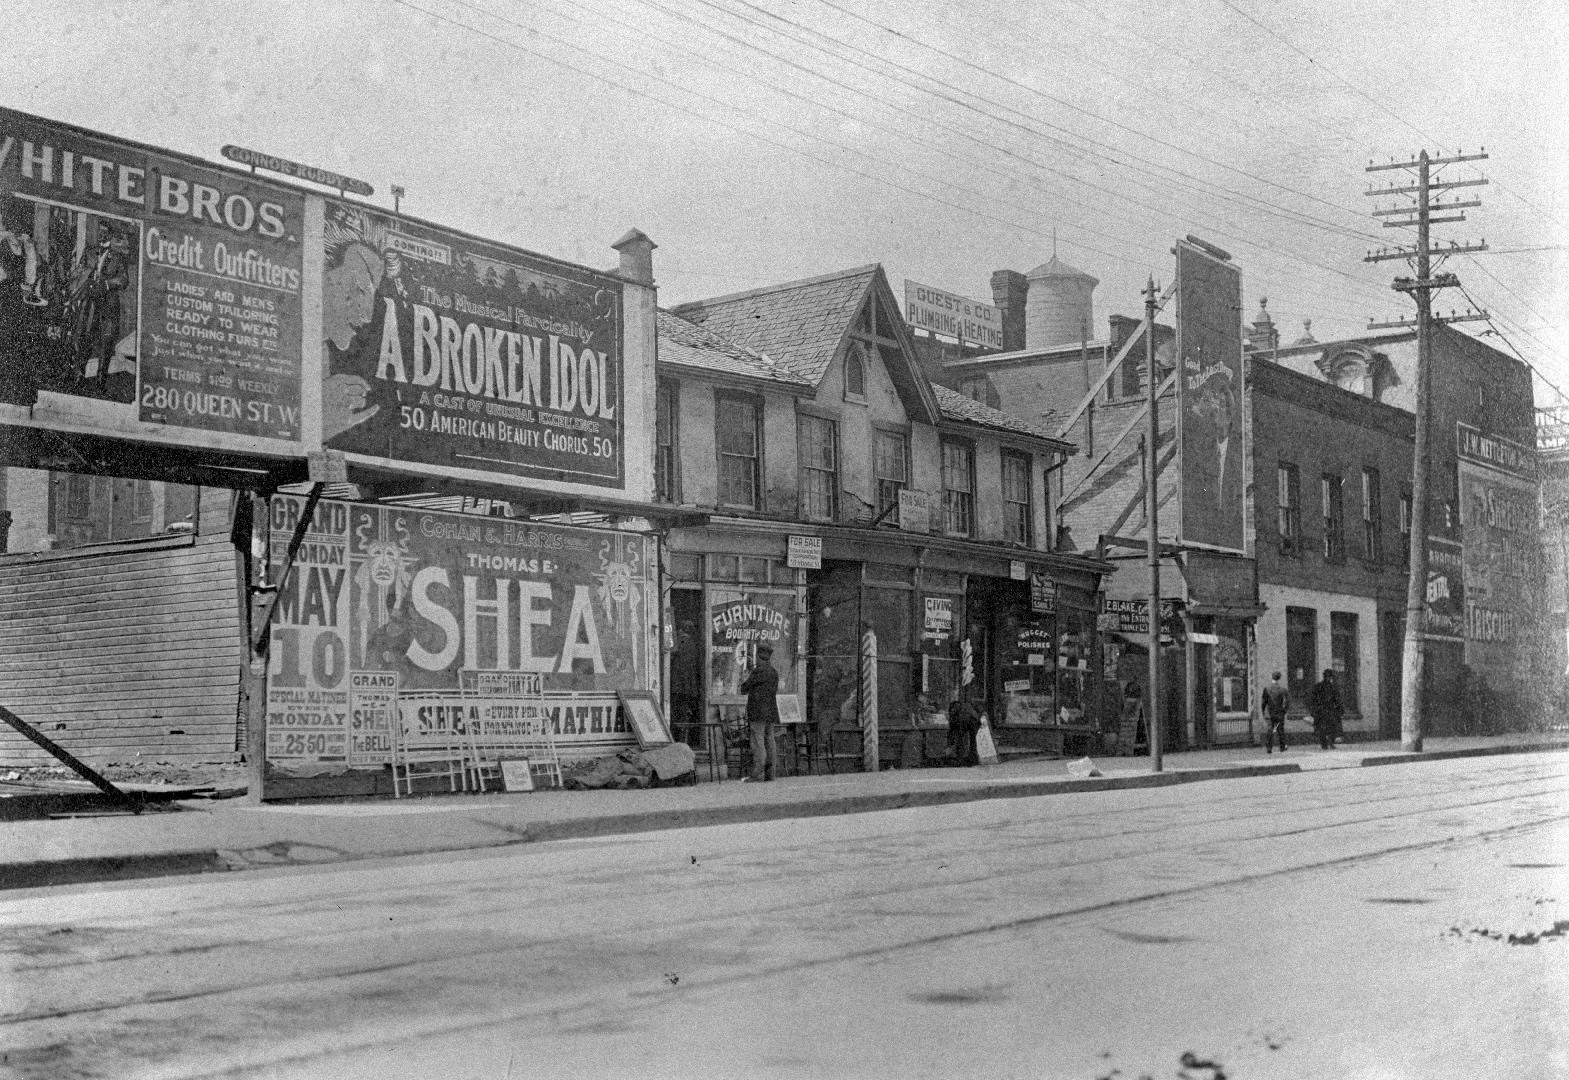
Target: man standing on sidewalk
(1275, 703)
(1327, 710)
(762, 713)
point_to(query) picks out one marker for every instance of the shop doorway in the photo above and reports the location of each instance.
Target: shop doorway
(686, 667)
(1301, 655)
(1391, 644)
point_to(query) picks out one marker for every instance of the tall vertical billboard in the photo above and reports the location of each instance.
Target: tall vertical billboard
(1209, 398)
(442, 350)
(144, 294)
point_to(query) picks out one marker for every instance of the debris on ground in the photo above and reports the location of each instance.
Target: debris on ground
(662, 766)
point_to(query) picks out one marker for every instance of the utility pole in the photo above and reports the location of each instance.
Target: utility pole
(1421, 288)
(1152, 722)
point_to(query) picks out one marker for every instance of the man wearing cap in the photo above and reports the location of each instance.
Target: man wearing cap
(762, 713)
(1274, 704)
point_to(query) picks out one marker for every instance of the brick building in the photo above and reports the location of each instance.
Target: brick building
(1330, 476)
(1490, 636)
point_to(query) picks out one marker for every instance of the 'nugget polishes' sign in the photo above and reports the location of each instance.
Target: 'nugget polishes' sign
(444, 350)
(144, 290)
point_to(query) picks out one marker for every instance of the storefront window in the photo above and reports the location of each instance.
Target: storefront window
(1027, 666)
(739, 621)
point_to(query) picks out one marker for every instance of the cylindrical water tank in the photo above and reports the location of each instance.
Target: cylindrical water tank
(1059, 308)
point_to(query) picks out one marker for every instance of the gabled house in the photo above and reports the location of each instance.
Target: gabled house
(844, 492)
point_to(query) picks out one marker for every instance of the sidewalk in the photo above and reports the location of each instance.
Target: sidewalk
(203, 835)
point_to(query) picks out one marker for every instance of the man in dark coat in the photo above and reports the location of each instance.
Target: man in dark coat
(762, 713)
(1327, 710)
(1276, 701)
(964, 721)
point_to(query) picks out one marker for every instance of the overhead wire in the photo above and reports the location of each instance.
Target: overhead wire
(1269, 208)
(1220, 230)
(1243, 239)
(622, 85)
(532, 29)
(1064, 103)
(1074, 142)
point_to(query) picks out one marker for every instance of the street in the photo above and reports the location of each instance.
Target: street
(1404, 921)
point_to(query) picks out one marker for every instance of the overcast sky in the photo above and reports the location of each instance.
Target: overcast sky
(757, 141)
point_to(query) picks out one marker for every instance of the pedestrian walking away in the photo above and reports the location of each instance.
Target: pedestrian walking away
(1274, 705)
(762, 714)
(1328, 712)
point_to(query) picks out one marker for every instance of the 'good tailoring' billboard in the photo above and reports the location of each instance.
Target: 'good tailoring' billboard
(146, 295)
(1209, 396)
(424, 594)
(446, 351)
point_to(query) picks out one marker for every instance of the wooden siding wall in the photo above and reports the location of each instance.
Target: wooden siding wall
(125, 655)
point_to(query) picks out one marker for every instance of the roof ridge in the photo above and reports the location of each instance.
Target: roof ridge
(748, 294)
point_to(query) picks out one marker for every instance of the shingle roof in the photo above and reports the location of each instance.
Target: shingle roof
(686, 343)
(798, 324)
(957, 406)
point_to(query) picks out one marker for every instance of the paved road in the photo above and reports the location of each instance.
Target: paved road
(1353, 923)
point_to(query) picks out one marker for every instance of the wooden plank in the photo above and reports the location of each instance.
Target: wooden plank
(90, 652)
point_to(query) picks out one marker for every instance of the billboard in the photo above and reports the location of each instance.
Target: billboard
(972, 322)
(144, 294)
(1209, 398)
(1500, 533)
(442, 350)
(418, 595)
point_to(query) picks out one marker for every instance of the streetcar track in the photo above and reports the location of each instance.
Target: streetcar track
(683, 882)
(726, 984)
(493, 955)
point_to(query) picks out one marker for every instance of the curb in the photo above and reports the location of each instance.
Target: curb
(894, 800)
(1477, 751)
(44, 873)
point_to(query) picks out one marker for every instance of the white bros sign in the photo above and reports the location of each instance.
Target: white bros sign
(926, 308)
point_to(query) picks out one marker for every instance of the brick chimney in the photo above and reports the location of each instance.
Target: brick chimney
(637, 257)
(1010, 289)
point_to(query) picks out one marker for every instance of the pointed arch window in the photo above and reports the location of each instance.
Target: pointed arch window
(855, 372)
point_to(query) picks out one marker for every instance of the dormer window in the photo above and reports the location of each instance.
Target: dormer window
(855, 373)
(1359, 371)
(1351, 374)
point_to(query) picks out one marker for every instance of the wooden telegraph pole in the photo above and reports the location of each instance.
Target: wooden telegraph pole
(1421, 288)
(1152, 723)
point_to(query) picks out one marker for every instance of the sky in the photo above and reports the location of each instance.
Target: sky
(761, 141)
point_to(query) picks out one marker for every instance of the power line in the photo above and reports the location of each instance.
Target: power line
(1079, 109)
(925, 118)
(707, 118)
(491, 14)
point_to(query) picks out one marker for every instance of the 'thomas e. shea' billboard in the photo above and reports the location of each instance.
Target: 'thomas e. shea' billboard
(154, 298)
